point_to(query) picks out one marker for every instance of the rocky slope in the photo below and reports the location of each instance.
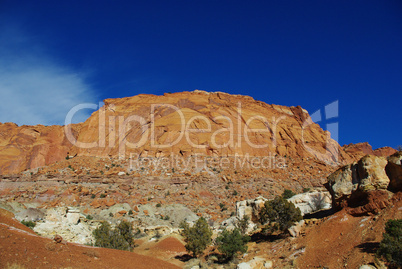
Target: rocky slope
(21, 246)
(180, 124)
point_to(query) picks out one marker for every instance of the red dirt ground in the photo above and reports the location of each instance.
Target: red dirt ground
(18, 244)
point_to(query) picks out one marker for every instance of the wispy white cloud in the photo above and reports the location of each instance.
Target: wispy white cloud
(35, 88)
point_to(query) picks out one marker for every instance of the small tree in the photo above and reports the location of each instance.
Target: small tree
(288, 194)
(119, 238)
(242, 224)
(391, 244)
(198, 237)
(279, 214)
(231, 242)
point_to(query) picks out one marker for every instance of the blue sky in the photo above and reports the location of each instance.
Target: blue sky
(57, 54)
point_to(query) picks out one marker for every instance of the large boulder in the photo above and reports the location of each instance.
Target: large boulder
(250, 208)
(394, 171)
(342, 183)
(311, 202)
(371, 170)
(363, 186)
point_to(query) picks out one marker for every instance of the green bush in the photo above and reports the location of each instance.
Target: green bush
(120, 237)
(89, 217)
(279, 215)
(242, 225)
(391, 244)
(287, 194)
(29, 224)
(198, 237)
(231, 242)
(158, 205)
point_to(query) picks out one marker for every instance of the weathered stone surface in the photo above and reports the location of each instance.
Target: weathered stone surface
(66, 225)
(213, 120)
(394, 171)
(359, 150)
(342, 183)
(311, 202)
(250, 208)
(362, 185)
(372, 174)
(30, 214)
(256, 263)
(73, 218)
(296, 229)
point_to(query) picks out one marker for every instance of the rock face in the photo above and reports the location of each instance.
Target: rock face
(361, 149)
(371, 171)
(183, 124)
(342, 183)
(59, 221)
(394, 171)
(365, 185)
(23, 147)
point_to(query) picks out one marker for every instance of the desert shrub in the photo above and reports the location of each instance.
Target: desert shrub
(279, 215)
(93, 196)
(391, 244)
(29, 224)
(130, 212)
(306, 189)
(120, 237)
(158, 205)
(89, 217)
(242, 225)
(198, 237)
(287, 194)
(102, 195)
(231, 242)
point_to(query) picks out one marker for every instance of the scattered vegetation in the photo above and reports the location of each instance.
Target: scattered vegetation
(93, 196)
(198, 237)
(102, 195)
(242, 225)
(158, 205)
(130, 212)
(391, 244)
(278, 215)
(306, 189)
(288, 194)
(231, 242)
(89, 217)
(120, 237)
(29, 224)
